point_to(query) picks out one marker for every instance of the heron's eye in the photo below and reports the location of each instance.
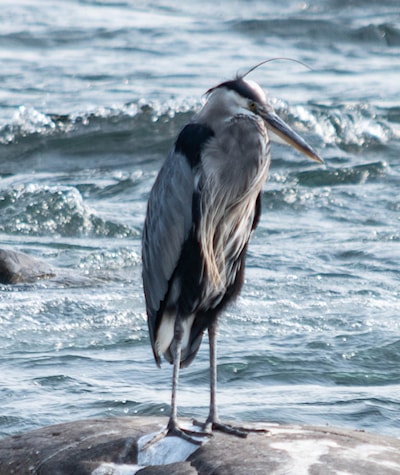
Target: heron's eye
(252, 106)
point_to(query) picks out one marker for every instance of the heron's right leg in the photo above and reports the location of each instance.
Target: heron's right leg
(173, 426)
(177, 351)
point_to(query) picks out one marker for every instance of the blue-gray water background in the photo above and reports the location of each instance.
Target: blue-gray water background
(92, 94)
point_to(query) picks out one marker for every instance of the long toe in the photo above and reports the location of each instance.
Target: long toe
(188, 435)
(155, 439)
(229, 429)
(238, 431)
(206, 427)
(173, 430)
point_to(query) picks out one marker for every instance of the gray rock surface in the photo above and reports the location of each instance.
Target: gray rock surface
(17, 267)
(110, 447)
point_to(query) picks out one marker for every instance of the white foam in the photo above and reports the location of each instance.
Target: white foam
(167, 450)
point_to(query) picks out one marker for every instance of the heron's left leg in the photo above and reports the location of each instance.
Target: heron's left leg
(213, 419)
(212, 340)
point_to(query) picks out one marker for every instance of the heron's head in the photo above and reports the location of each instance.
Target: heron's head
(244, 96)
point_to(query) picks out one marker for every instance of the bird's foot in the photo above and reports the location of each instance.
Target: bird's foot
(192, 436)
(173, 430)
(238, 431)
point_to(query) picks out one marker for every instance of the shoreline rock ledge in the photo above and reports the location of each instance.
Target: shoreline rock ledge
(18, 267)
(110, 447)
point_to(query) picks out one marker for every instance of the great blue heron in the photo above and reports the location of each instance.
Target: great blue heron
(202, 210)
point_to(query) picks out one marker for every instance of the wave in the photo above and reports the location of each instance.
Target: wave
(132, 117)
(321, 30)
(141, 128)
(40, 210)
(342, 175)
(134, 130)
(347, 126)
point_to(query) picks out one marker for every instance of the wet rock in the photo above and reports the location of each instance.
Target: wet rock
(17, 267)
(110, 447)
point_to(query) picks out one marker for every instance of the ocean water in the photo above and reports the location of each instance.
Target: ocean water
(92, 95)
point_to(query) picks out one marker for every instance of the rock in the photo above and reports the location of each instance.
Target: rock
(110, 447)
(16, 267)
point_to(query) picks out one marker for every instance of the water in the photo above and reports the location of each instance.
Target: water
(92, 95)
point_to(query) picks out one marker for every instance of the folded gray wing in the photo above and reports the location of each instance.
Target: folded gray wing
(167, 225)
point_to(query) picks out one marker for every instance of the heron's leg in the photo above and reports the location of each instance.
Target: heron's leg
(212, 339)
(213, 412)
(173, 427)
(178, 331)
(213, 419)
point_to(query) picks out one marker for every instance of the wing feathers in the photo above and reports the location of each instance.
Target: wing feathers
(169, 220)
(167, 224)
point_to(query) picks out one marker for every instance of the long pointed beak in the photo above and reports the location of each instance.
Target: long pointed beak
(280, 132)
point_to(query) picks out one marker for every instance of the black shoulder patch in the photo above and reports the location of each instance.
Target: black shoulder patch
(191, 141)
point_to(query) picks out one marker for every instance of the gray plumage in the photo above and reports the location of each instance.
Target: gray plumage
(202, 210)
